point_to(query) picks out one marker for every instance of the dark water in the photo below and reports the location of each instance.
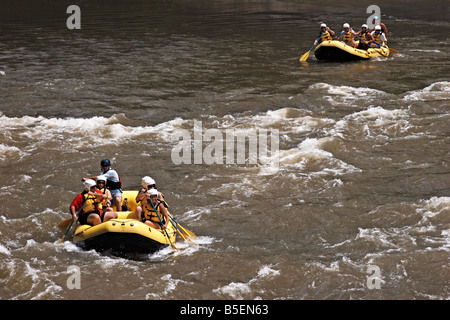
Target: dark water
(361, 178)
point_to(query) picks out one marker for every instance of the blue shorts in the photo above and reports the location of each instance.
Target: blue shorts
(116, 193)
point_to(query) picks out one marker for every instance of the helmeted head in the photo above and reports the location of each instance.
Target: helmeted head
(364, 26)
(105, 163)
(323, 26)
(88, 184)
(101, 179)
(153, 193)
(377, 27)
(148, 182)
(346, 26)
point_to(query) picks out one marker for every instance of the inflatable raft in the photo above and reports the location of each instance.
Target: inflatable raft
(334, 50)
(124, 235)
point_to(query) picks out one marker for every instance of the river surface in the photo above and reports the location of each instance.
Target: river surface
(354, 203)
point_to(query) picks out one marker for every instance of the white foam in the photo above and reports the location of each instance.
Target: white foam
(311, 157)
(344, 94)
(4, 250)
(434, 207)
(238, 290)
(10, 153)
(436, 91)
(372, 122)
(79, 132)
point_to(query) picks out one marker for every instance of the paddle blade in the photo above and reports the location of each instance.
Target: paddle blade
(170, 241)
(305, 56)
(187, 232)
(64, 224)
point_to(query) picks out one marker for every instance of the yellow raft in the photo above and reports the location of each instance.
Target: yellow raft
(334, 50)
(125, 234)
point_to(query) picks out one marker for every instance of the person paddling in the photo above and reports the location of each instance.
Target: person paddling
(378, 37)
(113, 182)
(89, 201)
(147, 214)
(325, 34)
(366, 39)
(347, 35)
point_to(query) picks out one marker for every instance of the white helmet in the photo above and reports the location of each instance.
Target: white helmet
(153, 192)
(377, 27)
(364, 26)
(101, 178)
(146, 181)
(346, 25)
(323, 25)
(88, 184)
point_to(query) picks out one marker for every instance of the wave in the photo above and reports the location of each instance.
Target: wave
(11, 153)
(372, 123)
(21, 136)
(348, 95)
(310, 157)
(438, 91)
(240, 290)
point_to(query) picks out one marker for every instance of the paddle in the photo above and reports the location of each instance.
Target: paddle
(64, 224)
(306, 55)
(184, 230)
(71, 223)
(390, 49)
(182, 235)
(168, 238)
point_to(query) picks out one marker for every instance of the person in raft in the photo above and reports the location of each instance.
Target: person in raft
(324, 35)
(147, 184)
(90, 202)
(147, 214)
(378, 37)
(366, 38)
(101, 186)
(113, 182)
(347, 36)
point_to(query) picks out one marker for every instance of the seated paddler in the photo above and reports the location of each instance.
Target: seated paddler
(89, 205)
(347, 36)
(152, 211)
(324, 35)
(365, 38)
(379, 37)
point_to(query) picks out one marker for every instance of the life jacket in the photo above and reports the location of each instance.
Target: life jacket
(104, 202)
(325, 36)
(347, 37)
(149, 212)
(363, 36)
(92, 204)
(111, 185)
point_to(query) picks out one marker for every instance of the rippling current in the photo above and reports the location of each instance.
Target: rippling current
(362, 178)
